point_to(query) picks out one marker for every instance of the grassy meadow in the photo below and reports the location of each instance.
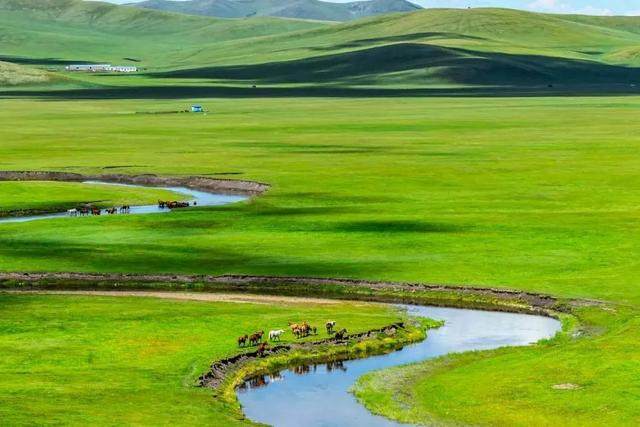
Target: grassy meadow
(135, 361)
(377, 170)
(526, 193)
(536, 194)
(45, 196)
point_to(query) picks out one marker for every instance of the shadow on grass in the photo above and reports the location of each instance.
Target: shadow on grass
(42, 61)
(237, 92)
(395, 39)
(157, 257)
(424, 63)
(397, 226)
(359, 73)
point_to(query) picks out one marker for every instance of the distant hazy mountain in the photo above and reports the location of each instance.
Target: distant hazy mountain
(300, 9)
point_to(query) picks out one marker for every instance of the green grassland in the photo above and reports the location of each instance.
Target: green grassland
(531, 194)
(521, 386)
(128, 360)
(527, 193)
(58, 196)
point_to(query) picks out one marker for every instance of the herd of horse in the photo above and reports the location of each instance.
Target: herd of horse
(124, 209)
(299, 330)
(173, 204)
(92, 210)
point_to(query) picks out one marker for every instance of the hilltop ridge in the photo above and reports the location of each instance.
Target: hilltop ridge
(299, 9)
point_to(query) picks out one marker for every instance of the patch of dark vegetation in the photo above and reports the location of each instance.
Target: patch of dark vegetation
(132, 59)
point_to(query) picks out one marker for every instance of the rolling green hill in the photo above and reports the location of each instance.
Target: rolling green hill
(428, 48)
(299, 9)
(438, 47)
(54, 32)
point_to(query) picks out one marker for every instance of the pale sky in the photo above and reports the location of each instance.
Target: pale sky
(589, 7)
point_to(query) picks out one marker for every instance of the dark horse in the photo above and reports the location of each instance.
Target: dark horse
(341, 334)
(242, 341)
(255, 338)
(262, 348)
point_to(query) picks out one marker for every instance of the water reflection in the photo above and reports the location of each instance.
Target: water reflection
(318, 395)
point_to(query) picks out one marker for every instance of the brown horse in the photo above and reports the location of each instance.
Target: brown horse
(262, 348)
(341, 334)
(242, 341)
(255, 338)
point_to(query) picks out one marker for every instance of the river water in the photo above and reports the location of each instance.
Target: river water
(202, 198)
(319, 395)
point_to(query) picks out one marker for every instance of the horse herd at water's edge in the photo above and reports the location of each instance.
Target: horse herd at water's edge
(299, 330)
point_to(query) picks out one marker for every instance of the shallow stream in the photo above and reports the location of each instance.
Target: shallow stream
(318, 395)
(201, 198)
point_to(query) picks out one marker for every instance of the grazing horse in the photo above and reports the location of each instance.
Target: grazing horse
(112, 211)
(275, 335)
(72, 212)
(330, 325)
(95, 211)
(175, 204)
(84, 211)
(305, 330)
(255, 338)
(262, 348)
(341, 334)
(162, 204)
(242, 341)
(125, 209)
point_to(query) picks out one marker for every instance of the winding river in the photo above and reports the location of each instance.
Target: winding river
(202, 198)
(319, 395)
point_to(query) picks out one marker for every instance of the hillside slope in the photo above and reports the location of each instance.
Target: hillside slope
(52, 32)
(438, 47)
(300, 9)
(14, 75)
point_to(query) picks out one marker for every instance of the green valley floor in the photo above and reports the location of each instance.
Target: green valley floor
(539, 194)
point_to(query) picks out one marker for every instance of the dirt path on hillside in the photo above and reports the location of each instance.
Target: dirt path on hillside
(189, 296)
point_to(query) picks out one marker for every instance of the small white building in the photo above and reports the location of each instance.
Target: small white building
(122, 68)
(94, 68)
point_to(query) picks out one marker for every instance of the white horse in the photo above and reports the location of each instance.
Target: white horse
(275, 335)
(72, 212)
(330, 325)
